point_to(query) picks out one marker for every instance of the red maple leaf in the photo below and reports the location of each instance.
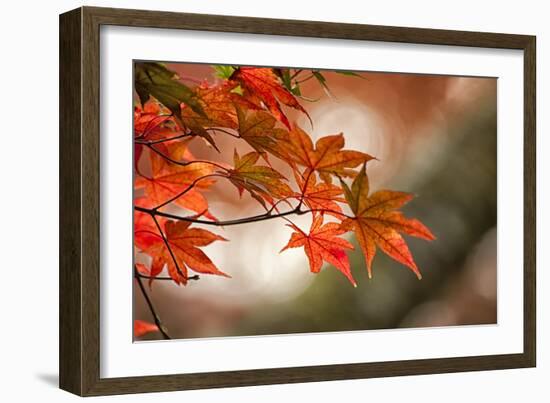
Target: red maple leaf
(377, 223)
(323, 243)
(263, 86)
(180, 243)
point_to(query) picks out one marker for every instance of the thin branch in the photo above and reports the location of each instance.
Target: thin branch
(244, 220)
(156, 318)
(147, 129)
(324, 210)
(163, 140)
(184, 164)
(274, 206)
(217, 129)
(304, 80)
(187, 189)
(296, 73)
(139, 140)
(144, 276)
(259, 217)
(304, 188)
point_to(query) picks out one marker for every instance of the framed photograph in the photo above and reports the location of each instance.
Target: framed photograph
(249, 201)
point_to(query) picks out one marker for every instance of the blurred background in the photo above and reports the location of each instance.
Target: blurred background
(434, 136)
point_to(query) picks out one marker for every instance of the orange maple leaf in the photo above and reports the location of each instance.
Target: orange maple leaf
(327, 157)
(142, 327)
(258, 129)
(377, 223)
(262, 85)
(320, 196)
(180, 242)
(150, 123)
(167, 180)
(262, 182)
(219, 103)
(323, 243)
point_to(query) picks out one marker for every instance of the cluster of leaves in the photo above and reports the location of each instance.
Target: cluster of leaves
(328, 182)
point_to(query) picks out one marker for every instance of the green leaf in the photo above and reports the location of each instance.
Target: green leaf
(359, 186)
(349, 73)
(323, 81)
(223, 72)
(156, 80)
(285, 77)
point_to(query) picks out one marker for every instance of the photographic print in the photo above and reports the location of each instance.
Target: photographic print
(282, 200)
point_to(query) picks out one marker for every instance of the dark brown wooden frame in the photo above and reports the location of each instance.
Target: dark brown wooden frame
(79, 200)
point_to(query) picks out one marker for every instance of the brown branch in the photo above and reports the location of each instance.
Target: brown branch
(156, 318)
(244, 220)
(304, 80)
(187, 189)
(186, 163)
(163, 140)
(296, 73)
(304, 188)
(139, 140)
(144, 276)
(217, 129)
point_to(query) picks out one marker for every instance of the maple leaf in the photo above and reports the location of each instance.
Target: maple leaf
(150, 123)
(323, 243)
(262, 84)
(258, 129)
(181, 243)
(219, 104)
(377, 223)
(142, 327)
(262, 182)
(142, 269)
(163, 84)
(327, 157)
(320, 196)
(156, 80)
(145, 234)
(168, 180)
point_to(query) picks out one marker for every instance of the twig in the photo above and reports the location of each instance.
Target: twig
(304, 80)
(296, 73)
(217, 129)
(187, 189)
(194, 277)
(244, 220)
(156, 318)
(186, 163)
(163, 140)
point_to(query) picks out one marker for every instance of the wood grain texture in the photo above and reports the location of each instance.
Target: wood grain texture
(530, 196)
(80, 200)
(70, 271)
